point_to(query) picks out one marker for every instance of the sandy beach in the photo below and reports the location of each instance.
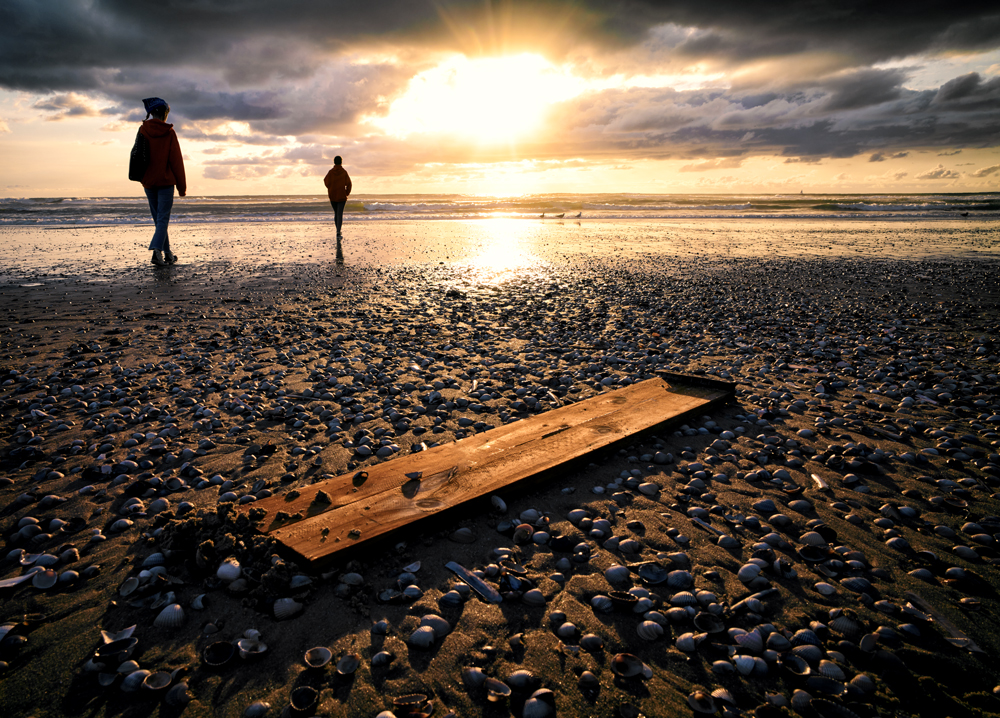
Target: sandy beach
(856, 473)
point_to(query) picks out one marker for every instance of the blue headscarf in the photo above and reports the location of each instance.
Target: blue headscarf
(151, 103)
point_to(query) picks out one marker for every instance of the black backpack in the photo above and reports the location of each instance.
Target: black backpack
(138, 161)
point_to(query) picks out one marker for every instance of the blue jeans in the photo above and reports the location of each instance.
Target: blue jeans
(161, 200)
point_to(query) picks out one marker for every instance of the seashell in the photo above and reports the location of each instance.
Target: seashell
(413, 703)
(627, 665)
(796, 665)
(567, 631)
(120, 526)
(709, 622)
(744, 664)
(318, 657)
(800, 700)
(811, 538)
(157, 681)
(218, 654)
(831, 670)
(423, 637)
(650, 630)
(723, 668)
(780, 520)
(381, 627)
(537, 708)
(702, 702)
(473, 677)
(383, 658)
(439, 625)
(154, 559)
(496, 690)
(178, 696)
(653, 573)
(680, 580)
(684, 598)
(251, 648)
(354, 580)
(845, 624)
(727, 542)
(44, 579)
(777, 642)
(805, 636)
(723, 696)
(134, 680)
(601, 603)
(857, 584)
(529, 516)
(451, 599)
(825, 589)
(748, 572)
(257, 709)
(622, 600)
(463, 535)
(299, 581)
(498, 503)
(285, 608)
(591, 643)
(751, 641)
(128, 586)
(170, 617)
(808, 652)
(229, 570)
(533, 597)
(686, 642)
(303, 699)
(868, 642)
(617, 574)
(198, 602)
(521, 680)
(348, 664)
(863, 683)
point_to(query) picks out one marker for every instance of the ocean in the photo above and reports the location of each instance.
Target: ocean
(105, 211)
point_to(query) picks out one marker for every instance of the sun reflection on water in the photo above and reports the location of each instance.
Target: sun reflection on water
(499, 252)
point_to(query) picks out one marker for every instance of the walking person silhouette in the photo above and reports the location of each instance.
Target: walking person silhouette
(338, 187)
(166, 170)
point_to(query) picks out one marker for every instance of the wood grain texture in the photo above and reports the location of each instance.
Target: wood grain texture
(354, 508)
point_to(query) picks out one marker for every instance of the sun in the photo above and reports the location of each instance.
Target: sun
(489, 100)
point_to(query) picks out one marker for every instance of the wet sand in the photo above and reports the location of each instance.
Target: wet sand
(865, 353)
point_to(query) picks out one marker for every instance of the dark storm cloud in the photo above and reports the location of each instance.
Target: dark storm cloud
(291, 68)
(882, 156)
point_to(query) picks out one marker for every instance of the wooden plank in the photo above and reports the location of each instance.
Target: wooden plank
(352, 509)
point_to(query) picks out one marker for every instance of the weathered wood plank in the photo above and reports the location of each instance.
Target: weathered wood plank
(348, 510)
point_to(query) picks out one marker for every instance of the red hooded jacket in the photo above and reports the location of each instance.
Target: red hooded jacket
(338, 184)
(166, 166)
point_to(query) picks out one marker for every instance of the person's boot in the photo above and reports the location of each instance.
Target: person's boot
(169, 256)
(157, 258)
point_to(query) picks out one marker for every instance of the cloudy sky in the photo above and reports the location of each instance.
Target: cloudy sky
(506, 96)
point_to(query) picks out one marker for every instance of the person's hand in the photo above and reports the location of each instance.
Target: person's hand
(183, 194)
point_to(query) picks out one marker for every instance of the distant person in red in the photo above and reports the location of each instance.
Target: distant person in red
(338, 186)
(166, 170)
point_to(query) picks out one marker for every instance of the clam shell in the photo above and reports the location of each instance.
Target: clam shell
(810, 653)
(383, 658)
(423, 637)
(251, 648)
(537, 708)
(498, 503)
(178, 696)
(591, 643)
(171, 616)
(800, 700)
(257, 709)
(751, 641)
(601, 603)
(680, 580)
(650, 630)
(496, 690)
(304, 698)
(533, 597)
(318, 657)
(521, 680)
(218, 654)
(709, 622)
(134, 680)
(627, 665)
(44, 579)
(440, 626)
(684, 598)
(831, 670)
(617, 574)
(744, 664)
(285, 608)
(229, 570)
(702, 702)
(157, 681)
(473, 676)
(348, 664)
(825, 589)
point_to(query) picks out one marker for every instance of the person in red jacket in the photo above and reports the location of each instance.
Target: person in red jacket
(165, 171)
(338, 186)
